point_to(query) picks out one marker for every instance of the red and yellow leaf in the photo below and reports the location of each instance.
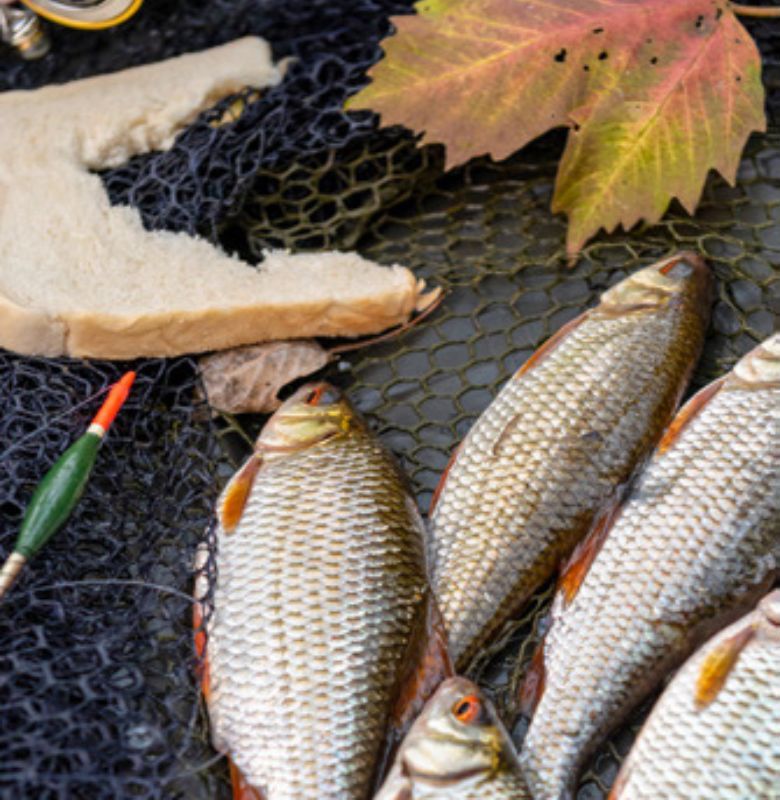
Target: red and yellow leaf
(688, 109)
(656, 93)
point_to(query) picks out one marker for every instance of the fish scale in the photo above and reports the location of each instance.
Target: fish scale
(318, 588)
(727, 748)
(557, 442)
(697, 542)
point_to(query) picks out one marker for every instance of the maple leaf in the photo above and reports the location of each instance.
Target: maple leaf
(655, 93)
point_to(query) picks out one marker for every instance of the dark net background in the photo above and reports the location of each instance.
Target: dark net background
(98, 695)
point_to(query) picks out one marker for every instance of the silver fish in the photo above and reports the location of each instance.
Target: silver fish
(715, 732)
(562, 435)
(696, 543)
(320, 587)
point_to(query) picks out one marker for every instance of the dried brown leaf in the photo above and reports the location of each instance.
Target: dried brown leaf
(248, 379)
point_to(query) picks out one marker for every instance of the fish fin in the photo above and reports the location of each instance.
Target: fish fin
(617, 787)
(440, 485)
(687, 413)
(572, 576)
(428, 662)
(203, 672)
(425, 665)
(533, 684)
(200, 609)
(241, 789)
(718, 663)
(542, 352)
(580, 561)
(234, 497)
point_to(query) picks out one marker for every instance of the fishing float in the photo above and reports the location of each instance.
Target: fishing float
(62, 486)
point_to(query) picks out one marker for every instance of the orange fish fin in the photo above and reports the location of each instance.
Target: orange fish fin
(617, 787)
(542, 352)
(426, 664)
(576, 568)
(198, 626)
(234, 497)
(241, 789)
(443, 479)
(690, 410)
(200, 610)
(533, 684)
(717, 665)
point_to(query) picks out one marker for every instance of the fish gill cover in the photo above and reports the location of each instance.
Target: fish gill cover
(98, 691)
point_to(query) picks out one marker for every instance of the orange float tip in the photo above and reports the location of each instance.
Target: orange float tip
(115, 400)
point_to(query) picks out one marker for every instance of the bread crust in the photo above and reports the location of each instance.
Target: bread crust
(174, 333)
(30, 331)
(82, 239)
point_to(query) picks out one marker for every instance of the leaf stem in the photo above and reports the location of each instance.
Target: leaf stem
(392, 333)
(755, 11)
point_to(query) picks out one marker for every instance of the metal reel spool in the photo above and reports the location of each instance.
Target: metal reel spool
(85, 14)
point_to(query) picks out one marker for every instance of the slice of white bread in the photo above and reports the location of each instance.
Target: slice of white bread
(79, 276)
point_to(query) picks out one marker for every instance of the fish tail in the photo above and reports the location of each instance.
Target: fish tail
(532, 688)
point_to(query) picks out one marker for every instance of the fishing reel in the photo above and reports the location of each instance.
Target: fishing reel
(21, 28)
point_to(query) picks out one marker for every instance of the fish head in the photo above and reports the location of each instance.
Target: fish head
(457, 737)
(315, 413)
(684, 276)
(761, 366)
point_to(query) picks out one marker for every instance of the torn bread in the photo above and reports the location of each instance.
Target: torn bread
(81, 277)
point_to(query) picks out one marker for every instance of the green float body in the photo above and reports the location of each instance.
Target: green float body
(62, 486)
(57, 494)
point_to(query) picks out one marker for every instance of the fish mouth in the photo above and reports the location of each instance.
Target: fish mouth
(491, 748)
(683, 275)
(450, 779)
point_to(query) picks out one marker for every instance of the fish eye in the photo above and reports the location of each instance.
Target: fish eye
(467, 709)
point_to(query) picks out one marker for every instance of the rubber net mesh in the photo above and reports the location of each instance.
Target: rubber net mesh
(98, 694)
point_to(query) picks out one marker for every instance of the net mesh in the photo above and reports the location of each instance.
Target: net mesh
(97, 670)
